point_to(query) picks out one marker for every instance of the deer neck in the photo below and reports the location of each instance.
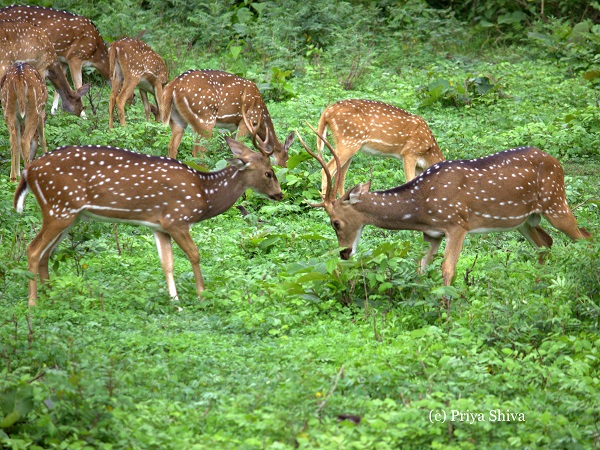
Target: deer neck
(222, 189)
(395, 209)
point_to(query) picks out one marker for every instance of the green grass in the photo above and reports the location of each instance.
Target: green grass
(289, 338)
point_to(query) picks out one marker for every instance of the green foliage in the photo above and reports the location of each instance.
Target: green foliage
(480, 89)
(291, 346)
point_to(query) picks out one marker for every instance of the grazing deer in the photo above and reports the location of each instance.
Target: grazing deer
(23, 93)
(208, 98)
(380, 129)
(117, 185)
(75, 39)
(23, 42)
(500, 192)
(133, 63)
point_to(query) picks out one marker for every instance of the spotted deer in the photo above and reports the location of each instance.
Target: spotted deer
(506, 190)
(208, 98)
(23, 94)
(23, 42)
(117, 185)
(75, 39)
(379, 129)
(133, 63)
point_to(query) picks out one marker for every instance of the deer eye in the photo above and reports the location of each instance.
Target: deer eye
(269, 174)
(336, 224)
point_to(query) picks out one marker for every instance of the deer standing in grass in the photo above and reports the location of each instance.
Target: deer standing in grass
(133, 63)
(23, 42)
(75, 39)
(379, 129)
(23, 94)
(500, 192)
(116, 185)
(208, 98)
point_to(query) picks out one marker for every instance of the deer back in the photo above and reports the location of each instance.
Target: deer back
(377, 127)
(71, 35)
(22, 42)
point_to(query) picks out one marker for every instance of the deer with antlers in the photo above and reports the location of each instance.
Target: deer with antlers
(75, 39)
(133, 63)
(500, 192)
(380, 129)
(208, 98)
(116, 185)
(23, 94)
(23, 42)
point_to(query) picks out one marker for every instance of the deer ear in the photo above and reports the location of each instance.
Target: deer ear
(238, 163)
(353, 196)
(289, 141)
(237, 148)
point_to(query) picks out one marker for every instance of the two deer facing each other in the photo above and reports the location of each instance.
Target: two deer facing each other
(507, 190)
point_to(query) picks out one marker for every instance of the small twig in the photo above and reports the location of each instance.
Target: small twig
(115, 230)
(331, 390)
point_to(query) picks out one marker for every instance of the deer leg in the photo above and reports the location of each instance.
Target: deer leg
(433, 248)
(409, 162)
(14, 131)
(39, 251)
(158, 95)
(177, 131)
(332, 168)
(28, 141)
(566, 223)
(165, 253)
(127, 89)
(454, 243)
(187, 244)
(144, 97)
(114, 92)
(537, 237)
(41, 134)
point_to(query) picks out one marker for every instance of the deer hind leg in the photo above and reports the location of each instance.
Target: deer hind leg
(144, 97)
(127, 89)
(41, 134)
(165, 253)
(565, 222)
(14, 131)
(433, 248)
(114, 92)
(39, 250)
(185, 241)
(332, 168)
(177, 131)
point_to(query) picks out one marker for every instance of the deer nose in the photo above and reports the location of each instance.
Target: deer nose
(277, 196)
(345, 254)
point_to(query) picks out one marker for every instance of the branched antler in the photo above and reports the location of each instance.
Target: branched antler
(329, 196)
(258, 143)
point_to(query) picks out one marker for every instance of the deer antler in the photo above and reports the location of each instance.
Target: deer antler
(329, 196)
(258, 143)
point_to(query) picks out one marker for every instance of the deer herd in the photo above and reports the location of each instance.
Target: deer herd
(507, 190)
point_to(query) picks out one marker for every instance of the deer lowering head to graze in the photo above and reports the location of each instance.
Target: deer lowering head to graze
(75, 39)
(380, 129)
(116, 185)
(500, 192)
(23, 42)
(133, 63)
(23, 93)
(208, 98)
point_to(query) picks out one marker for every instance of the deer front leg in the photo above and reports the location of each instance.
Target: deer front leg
(165, 253)
(184, 240)
(454, 242)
